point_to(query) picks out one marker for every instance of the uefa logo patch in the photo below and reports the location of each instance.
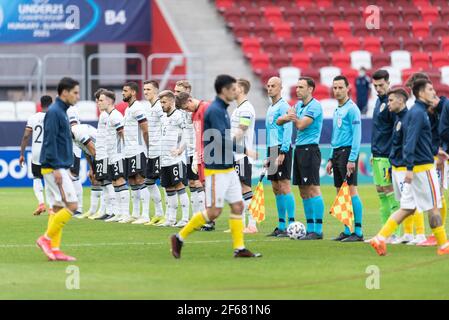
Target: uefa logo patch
(382, 107)
(398, 126)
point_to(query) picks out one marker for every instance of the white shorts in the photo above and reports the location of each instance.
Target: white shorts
(397, 179)
(223, 187)
(423, 193)
(59, 196)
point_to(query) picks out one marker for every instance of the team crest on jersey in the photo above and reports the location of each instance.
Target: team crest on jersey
(382, 107)
(339, 122)
(398, 126)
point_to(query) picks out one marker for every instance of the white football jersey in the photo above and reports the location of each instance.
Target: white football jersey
(154, 117)
(134, 142)
(82, 135)
(115, 145)
(36, 123)
(189, 133)
(72, 114)
(100, 143)
(245, 115)
(172, 129)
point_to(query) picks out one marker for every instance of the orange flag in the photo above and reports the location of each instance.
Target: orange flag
(257, 204)
(342, 207)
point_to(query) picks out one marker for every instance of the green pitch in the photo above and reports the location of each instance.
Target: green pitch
(133, 262)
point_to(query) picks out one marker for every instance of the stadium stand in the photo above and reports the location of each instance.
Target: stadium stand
(320, 34)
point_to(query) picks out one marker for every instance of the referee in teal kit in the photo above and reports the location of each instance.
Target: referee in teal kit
(346, 140)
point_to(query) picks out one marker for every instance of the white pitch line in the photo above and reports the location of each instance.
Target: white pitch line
(116, 244)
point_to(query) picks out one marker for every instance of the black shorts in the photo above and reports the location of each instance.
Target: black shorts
(190, 174)
(339, 163)
(244, 171)
(36, 170)
(117, 170)
(153, 170)
(306, 165)
(75, 168)
(136, 165)
(101, 170)
(283, 172)
(172, 175)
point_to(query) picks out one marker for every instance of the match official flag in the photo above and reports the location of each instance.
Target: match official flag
(257, 204)
(342, 207)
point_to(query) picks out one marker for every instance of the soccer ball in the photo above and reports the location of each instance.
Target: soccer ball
(296, 230)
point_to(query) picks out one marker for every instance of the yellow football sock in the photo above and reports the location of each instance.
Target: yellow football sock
(196, 222)
(440, 235)
(59, 220)
(236, 226)
(50, 220)
(56, 240)
(443, 210)
(408, 224)
(419, 222)
(389, 227)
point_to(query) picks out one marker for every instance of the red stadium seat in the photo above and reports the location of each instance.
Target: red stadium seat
(233, 15)
(332, 45)
(411, 44)
(420, 28)
(322, 29)
(445, 43)
(285, 3)
(440, 28)
(280, 60)
(264, 3)
(444, 11)
(302, 29)
(262, 30)
(380, 60)
(241, 30)
(342, 29)
(253, 15)
(351, 44)
(312, 73)
(360, 30)
(260, 61)
(250, 46)
(341, 60)
(223, 5)
(267, 74)
(325, 4)
(282, 30)
(305, 3)
(321, 92)
(292, 45)
(385, 30)
(407, 73)
(371, 44)
(351, 14)
(272, 45)
(430, 44)
(440, 59)
(434, 75)
(301, 60)
(332, 14)
(311, 44)
(420, 60)
(401, 29)
(441, 89)
(244, 3)
(312, 14)
(273, 14)
(350, 74)
(319, 60)
(429, 13)
(391, 14)
(293, 15)
(391, 43)
(410, 13)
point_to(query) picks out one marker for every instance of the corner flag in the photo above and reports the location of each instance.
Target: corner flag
(257, 204)
(342, 207)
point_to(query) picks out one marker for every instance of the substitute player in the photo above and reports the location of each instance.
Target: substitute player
(35, 129)
(343, 160)
(56, 159)
(307, 116)
(222, 182)
(421, 189)
(173, 168)
(155, 115)
(279, 156)
(136, 148)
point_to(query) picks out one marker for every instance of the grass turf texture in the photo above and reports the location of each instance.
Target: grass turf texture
(134, 262)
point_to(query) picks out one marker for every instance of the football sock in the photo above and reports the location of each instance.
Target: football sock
(56, 240)
(394, 206)
(358, 214)
(79, 194)
(440, 235)
(236, 226)
(247, 197)
(135, 194)
(172, 199)
(318, 213)
(111, 203)
(201, 199)
(122, 194)
(95, 194)
(418, 219)
(443, 210)
(197, 221)
(58, 222)
(145, 196)
(290, 207)
(184, 201)
(103, 197)
(38, 189)
(384, 207)
(388, 229)
(280, 204)
(308, 211)
(194, 199)
(155, 194)
(409, 223)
